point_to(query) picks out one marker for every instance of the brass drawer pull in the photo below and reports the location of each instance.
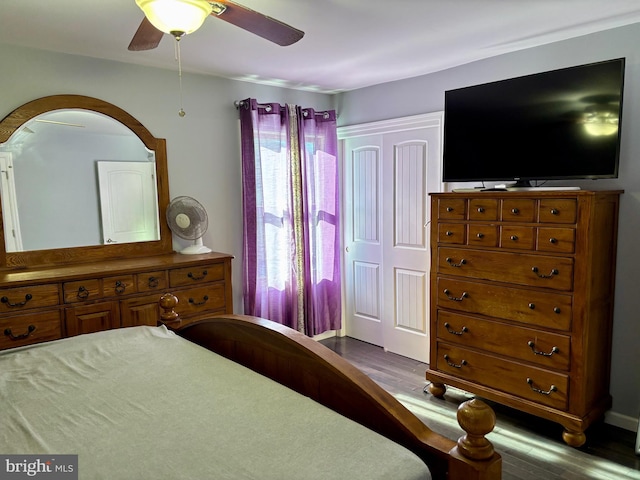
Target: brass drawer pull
(201, 277)
(455, 299)
(552, 389)
(30, 330)
(538, 352)
(451, 262)
(447, 325)
(454, 365)
(9, 303)
(83, 293)
(153, 282)
(120, 287)
(554, 271)
(204, 300)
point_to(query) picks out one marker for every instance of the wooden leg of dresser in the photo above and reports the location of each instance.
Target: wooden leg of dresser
(574, 439)
(437, 389)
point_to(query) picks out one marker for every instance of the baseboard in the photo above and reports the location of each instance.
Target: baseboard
(327, 334)
(622, 421)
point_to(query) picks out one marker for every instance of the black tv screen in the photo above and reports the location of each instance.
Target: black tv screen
(561, 124)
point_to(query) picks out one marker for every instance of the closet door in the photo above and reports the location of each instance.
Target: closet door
(362, 272)
(389, 167)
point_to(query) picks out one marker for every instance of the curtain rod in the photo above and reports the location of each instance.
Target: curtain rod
(244, 104)
(241, 103)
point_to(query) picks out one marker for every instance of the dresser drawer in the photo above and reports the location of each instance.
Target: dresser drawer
(550, 350)
(522, 269)
(82, 290)
(194, 275)
(23, 298)
(482, 235)
(556, 239)
(483, 209)
(451, 233)
(151, 281)
(91, 317)
(31, 328)
(210, 298)
(140, 311)
(557, 210)
(533, 383)
(118, 286)
(518, 210)
(533, 307)
(517, 236)
(451, 208)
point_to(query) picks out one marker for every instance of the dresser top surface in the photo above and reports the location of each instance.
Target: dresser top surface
(17, 277)
(526, 194)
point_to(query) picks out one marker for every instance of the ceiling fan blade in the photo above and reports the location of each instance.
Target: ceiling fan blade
(257, 23)
(147, 37)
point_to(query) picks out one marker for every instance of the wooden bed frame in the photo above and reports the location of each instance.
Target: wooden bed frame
(313, 370)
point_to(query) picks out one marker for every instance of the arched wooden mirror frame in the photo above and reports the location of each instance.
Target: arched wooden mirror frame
(63, 256)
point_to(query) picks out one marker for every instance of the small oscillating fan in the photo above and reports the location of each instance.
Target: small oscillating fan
(188, 219)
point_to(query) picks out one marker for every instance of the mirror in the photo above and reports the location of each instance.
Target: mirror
(84, 163)
(81, 181)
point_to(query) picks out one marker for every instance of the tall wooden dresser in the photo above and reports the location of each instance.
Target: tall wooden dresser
(522, 288)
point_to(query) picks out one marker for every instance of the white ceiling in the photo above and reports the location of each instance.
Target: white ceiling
(348, 44)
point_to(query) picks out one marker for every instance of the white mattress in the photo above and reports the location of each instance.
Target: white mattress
(143, 403)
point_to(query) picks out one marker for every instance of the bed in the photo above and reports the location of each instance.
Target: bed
(151, 402)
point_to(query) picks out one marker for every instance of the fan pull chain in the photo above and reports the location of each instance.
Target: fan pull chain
(181, 112)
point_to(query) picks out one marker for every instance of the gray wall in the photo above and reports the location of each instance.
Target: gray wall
(203, 147)
(426, 94)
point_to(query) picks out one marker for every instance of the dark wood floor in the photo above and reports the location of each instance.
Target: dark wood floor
(531, 448)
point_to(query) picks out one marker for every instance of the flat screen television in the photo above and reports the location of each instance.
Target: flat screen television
(555, 125)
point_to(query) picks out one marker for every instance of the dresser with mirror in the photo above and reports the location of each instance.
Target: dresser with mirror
(84, 243)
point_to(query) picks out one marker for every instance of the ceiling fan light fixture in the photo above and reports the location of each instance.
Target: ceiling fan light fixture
(176, 17)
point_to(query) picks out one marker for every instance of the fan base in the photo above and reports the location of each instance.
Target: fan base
(195, 249)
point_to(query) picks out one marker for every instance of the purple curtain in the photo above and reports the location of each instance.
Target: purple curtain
(321, 215)
(291, 264)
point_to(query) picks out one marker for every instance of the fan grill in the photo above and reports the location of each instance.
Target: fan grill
(187, 218)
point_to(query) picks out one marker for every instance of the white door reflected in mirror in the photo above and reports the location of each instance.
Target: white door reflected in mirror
(128, 201)
(12, 233)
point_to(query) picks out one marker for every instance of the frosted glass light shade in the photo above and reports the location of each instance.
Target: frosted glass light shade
(176, 16)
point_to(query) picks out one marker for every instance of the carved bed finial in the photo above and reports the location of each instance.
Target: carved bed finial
(477, 419)
(169, 316)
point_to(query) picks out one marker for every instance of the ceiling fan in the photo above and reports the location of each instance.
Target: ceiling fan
(161, 16)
